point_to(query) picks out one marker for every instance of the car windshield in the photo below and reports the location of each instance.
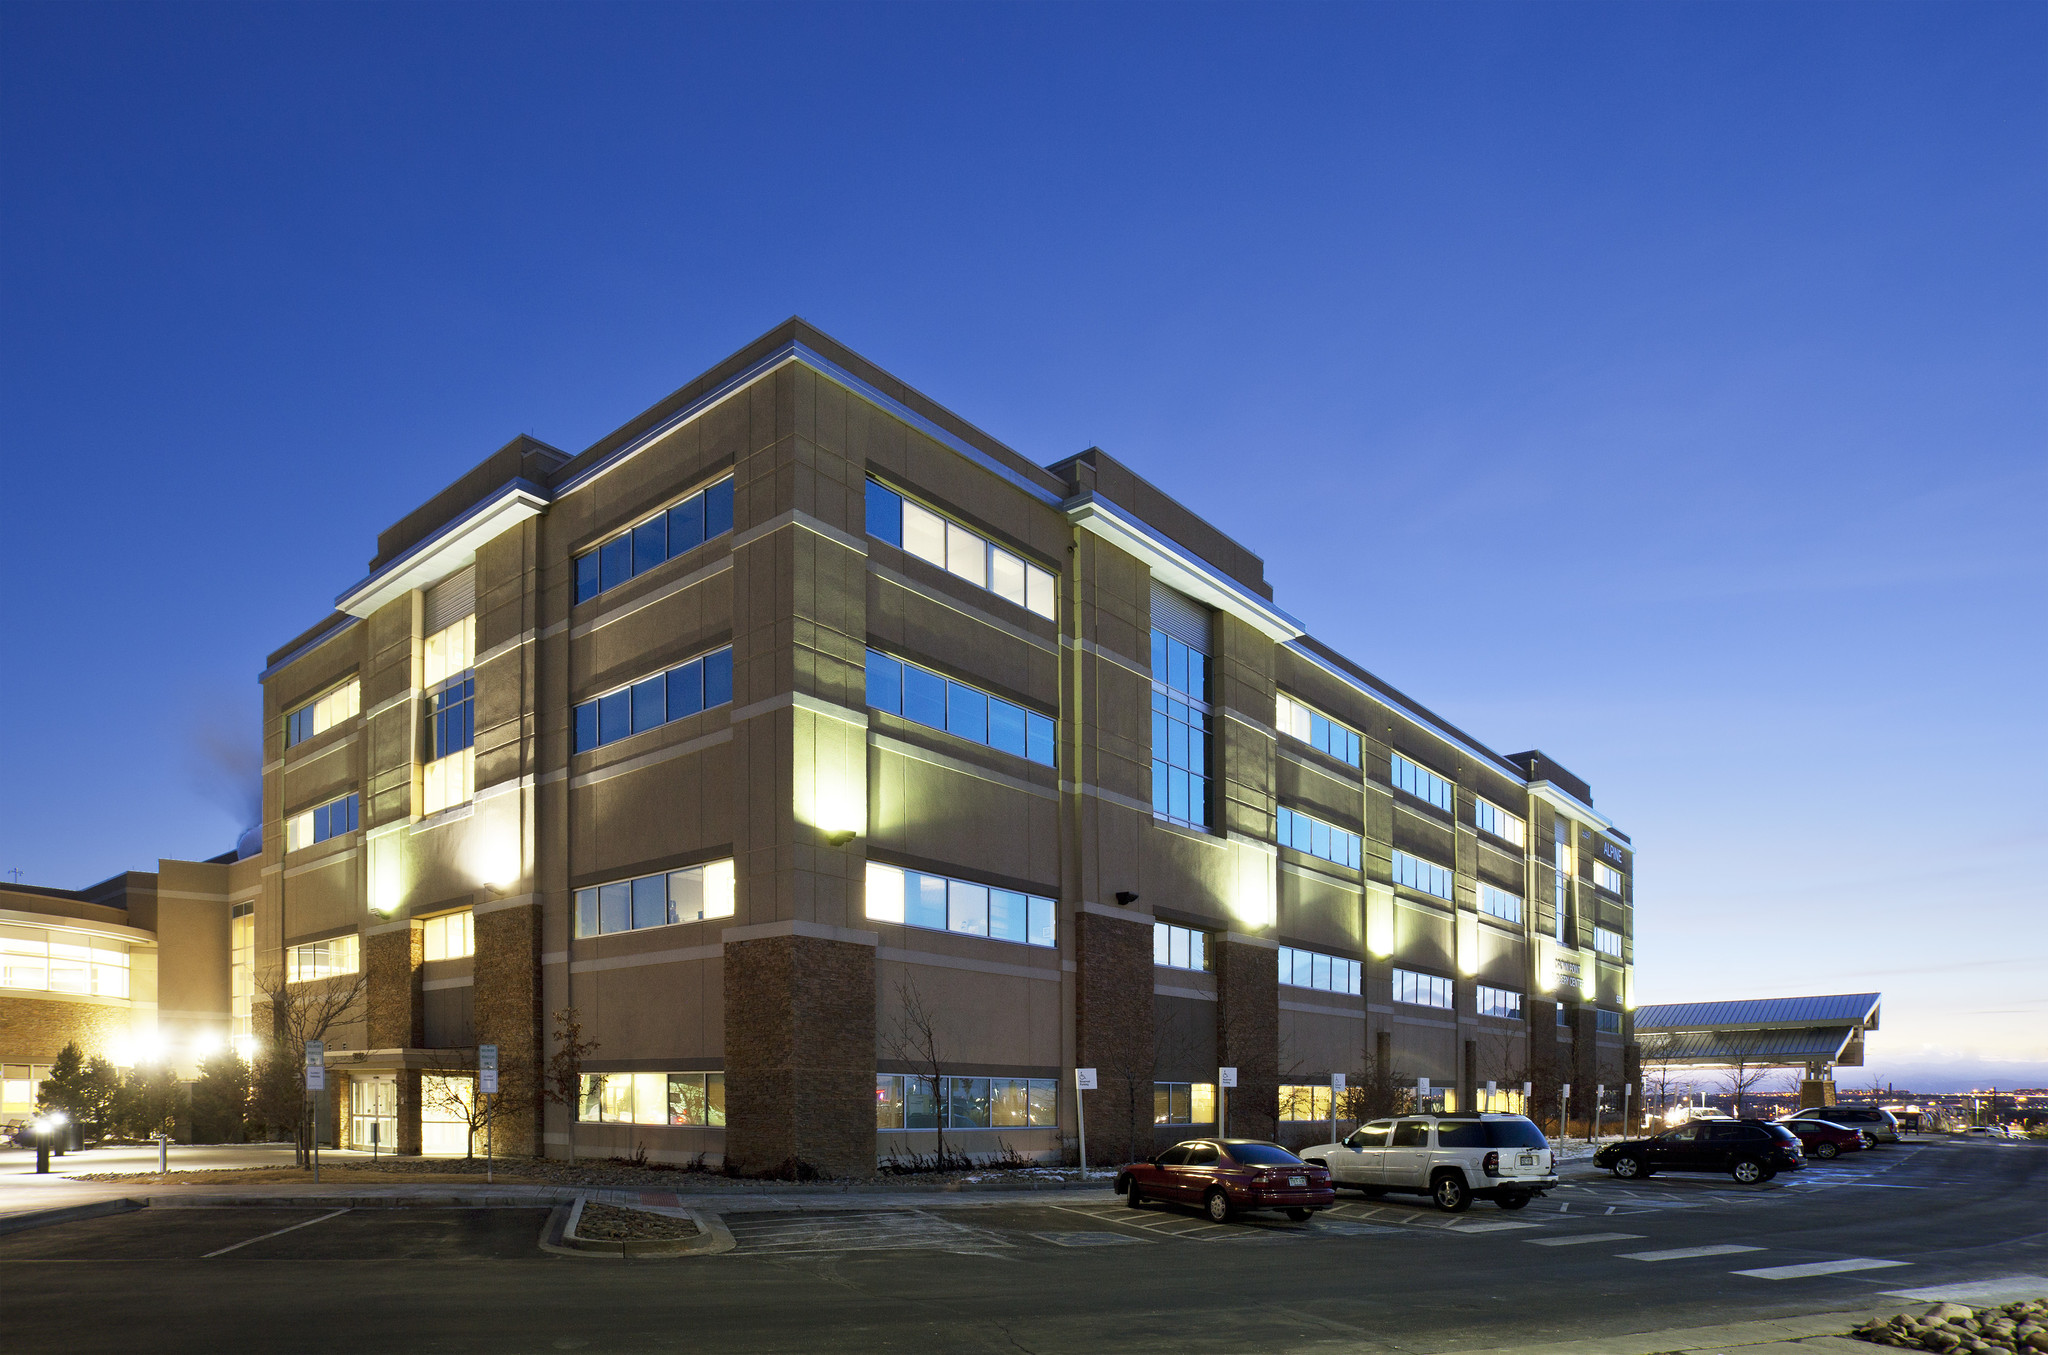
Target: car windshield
(1489, 1134)
(1263, 1155)
(1784, 1133)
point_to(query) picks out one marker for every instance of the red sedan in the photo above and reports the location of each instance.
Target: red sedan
(1222, 1176)
(1823, 1139)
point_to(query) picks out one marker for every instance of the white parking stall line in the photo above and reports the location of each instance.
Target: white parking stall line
(1581, 1238)
(1813, 1268)
(1489, 1227)
(879, 1231)
(2001, 1289)
(305, 1223)
(1685, 1253)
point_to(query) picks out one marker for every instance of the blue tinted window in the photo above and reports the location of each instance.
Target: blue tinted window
(1039, 923)
(966, 712)
(717, 678)
(614, 716)
(586, 576)
(615, 906)
(1006, 728)
(454, 718)
(615, 562)
(718, 509)
(1038, 730)
(686, 689)
(650, 703)
(885, 514)
(1159, 652)
(924, 696)
(650, 901)
(650, 544)
(885, 678)
(586, 726)
(924, 900)
(586, 912)
(1006, 915)
(686, 525)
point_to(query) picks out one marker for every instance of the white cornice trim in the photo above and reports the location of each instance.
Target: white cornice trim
(1174, 566)
(1569, 804)
(452, 547)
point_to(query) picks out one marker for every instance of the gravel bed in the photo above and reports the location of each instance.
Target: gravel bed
(609, 1223)
(1952, 1327)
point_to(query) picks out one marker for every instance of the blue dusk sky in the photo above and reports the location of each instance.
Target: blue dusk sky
(1664, 386)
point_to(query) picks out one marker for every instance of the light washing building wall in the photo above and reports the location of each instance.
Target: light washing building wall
(809, 744)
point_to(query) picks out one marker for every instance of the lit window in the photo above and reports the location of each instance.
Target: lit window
(1562, 855)
(675, 531)
(704, 683)
(322, 822)
(449, 674)
(675, 896)
(34, 959)
(901, 687)
(1179, 947)
(449, 936)
(1184, 1103)
(1305, 1102)
(1313, 969)
(1500, 1002)
(1489, 817)
(1422, 783)
(1315, 729)
(927, 535)
(1422, 875)
(1607, 942)
(316, 717)
(907, 1101)
(1606, 877)
(241, 981)
(1180, 731)
(936, 903)
(1423, 990)
(1499, 903)
(327, 959)
(687, 1099)
(1307, 834)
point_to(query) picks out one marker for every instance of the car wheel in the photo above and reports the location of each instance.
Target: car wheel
(1518, 1199)
(1627, 1167)
(1749, 1171)
(1301, 1215)
(1218, 1206)
(1826, 1150)
(1450, 1193)
(1136, 1198)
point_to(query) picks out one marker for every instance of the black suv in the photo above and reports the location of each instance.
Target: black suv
(1878, 1125)
(1748, 1150)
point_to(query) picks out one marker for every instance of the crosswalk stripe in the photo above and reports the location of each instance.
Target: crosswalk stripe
(1819, 1268)
(1685, 1253)
(1579, 1238)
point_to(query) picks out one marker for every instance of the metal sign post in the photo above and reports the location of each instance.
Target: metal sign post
(487, 1085)
(1336, 1085)
(1226, 1078)
(1491, 1091)
(1627, 1090)
(1421, 1095)
(1564, 1114)
(1599, 1101)
(316, 1081)
(376, 1132)
(1084, 1081)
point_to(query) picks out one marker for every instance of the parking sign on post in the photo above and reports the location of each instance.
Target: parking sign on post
(1084, 1081)
(1226, 1078)
(487, 1069)
(1336, 1086)
(316, 1065)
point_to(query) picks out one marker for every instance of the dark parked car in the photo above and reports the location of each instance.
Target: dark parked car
(1748, 1150)
(1822, 1139)
(1222, 1176)
(1880, 1124)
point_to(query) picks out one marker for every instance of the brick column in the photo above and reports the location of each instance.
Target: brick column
(800, 1048)
(1114, 1031)
(392, 956)
(1248, 1032)
(508, 1014)
(409, 1137)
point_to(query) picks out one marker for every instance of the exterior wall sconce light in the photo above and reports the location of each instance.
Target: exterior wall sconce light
(840, 838)
(1126, 897)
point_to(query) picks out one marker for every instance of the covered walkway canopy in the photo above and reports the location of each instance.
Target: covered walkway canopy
(1815, 1032)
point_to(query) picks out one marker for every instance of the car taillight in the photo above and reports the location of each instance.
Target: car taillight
(1492, 1164)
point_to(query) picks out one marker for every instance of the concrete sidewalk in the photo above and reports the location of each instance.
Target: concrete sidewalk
(1815, 1334)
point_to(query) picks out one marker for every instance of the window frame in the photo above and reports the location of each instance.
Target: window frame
(1394, 765)
(1037, 580)
(1480, 807)
(590, 903)
(1424, 864)
(1421, 981)
(892, 675)
(310, 709)
(633, 569)
(626, 693)
(1284, 704)
(1164, 932)
(1286, 831)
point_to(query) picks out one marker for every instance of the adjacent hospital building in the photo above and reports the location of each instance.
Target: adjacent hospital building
(851, 775)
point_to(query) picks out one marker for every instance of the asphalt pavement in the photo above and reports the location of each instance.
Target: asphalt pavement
(1056, 1271)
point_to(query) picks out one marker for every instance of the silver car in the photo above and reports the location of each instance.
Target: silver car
(1453, 1159)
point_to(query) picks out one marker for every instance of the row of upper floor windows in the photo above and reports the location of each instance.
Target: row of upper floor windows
(702, 684)
(934, 537)
(704, 516)
(903, 688)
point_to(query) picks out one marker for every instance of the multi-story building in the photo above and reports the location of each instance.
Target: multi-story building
(811, 745)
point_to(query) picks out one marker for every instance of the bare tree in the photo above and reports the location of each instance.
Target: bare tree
(1740, 1079)
(456, 1092)
(1376, 1092)
(563, 1085)
(917, 1039)
(300, 1011)
(1663, 1079)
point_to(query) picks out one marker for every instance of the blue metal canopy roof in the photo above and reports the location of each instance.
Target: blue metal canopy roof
(1839, 1009)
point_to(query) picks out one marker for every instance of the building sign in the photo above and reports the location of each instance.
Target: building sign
(1611, 852)
(1568, 975)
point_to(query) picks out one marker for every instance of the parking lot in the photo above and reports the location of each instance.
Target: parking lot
(1067, 1270)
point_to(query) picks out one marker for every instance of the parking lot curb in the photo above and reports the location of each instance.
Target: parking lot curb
(560, 1237)
(43, 1218)
(1813, 1332)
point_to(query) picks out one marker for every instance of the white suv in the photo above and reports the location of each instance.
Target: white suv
(1453, 1159)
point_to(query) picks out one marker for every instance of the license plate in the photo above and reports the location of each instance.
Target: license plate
(1528, 1159)
(1297, 1180)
